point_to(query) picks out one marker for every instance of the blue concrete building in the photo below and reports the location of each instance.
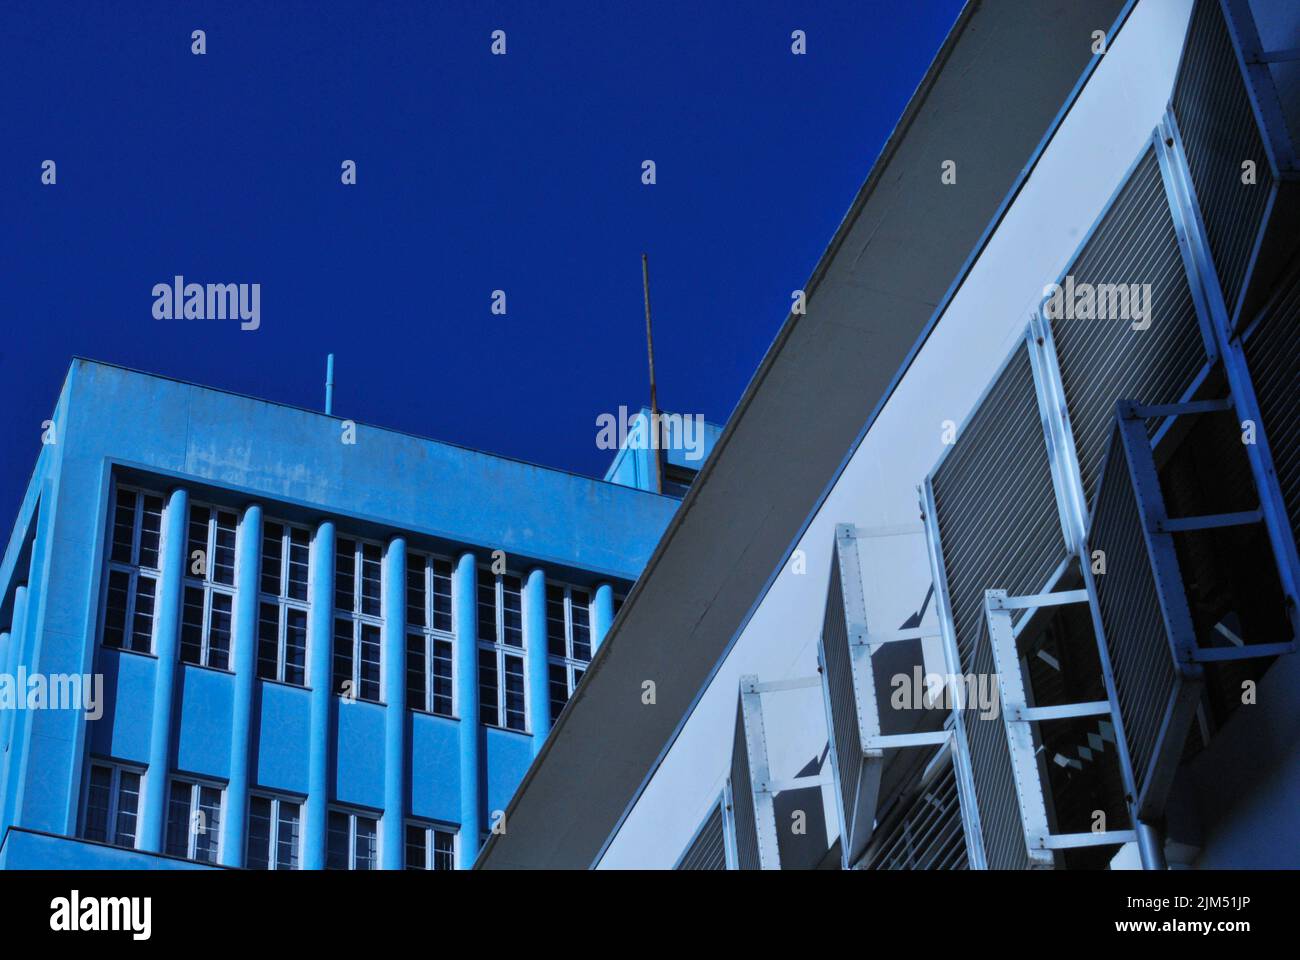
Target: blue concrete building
(242, 634)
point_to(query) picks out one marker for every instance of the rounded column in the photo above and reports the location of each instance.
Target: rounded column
(539, 696)
(395, 725)
(248, 556)
(319, 620)
(465, 607)
(167, 630)
(602, 615)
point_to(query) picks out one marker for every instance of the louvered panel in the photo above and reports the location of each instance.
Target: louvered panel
(1273, 356)
(1103, 360)
(1156, 696)
(708, 851)
(995, 781)
(995, 506)
(1219, 132)
(742, 800)
(847, 754)
(996, 513)
(927, 835)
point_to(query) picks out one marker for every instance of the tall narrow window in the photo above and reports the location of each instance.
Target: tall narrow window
(429, 635)
(353, 841)
(282, 604)
(112, 804)
(274, 833)
(501, 652)
(429, 847)
(568, 642)
(358, 577)
(133, 570)
(209, 597)
(194, 821)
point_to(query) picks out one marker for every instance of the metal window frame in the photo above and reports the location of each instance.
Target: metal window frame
(276, 800)
(208, 590)
(871, 741)
(358, 620)
(134, 571)
(429, 634)
(430, 828)
(196, 785)
(570, 661)
(205, 581)
(282, 601)
(114, 800)
(1017, 715)
(500, 649)
(352, 813)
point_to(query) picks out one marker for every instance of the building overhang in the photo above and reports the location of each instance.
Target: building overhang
(997, 88)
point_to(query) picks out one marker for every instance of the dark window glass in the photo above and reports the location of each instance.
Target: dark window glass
(369, 663)
(345, 576)
(119, 584)
(415, 592)
(124, 527)
(444, 850)
(371, 567)
(579, 605)
(299, 551)
(512, 619)
(343, 656)
(272, 554)
(442, 678)
(416, 697)
(192, 626)
(196, 554)
(559, 688)
(98, 801)
(442, 595)
(150, 532)
(556, 643)
(258, 856)
(219, 632)
(142, 628)
(415, 848)
(223, 554)
(514, 670)
(295, 647)
(487, 687)
(487, 607)
(336, 856)
(268, 640)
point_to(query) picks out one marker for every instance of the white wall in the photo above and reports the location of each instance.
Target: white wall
(1086, 161)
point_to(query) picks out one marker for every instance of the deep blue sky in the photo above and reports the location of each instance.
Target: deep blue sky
(475, 173)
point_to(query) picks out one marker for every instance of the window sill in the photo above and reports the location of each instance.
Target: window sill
(135, 653)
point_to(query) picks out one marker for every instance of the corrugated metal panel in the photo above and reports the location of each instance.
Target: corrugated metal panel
(927, 833)
(842, 700)
(995, 779)
(995, 508)
(995, 505)
(1103, 360)
(1273, 355)
(742, 800)
(708, 851)
(1155, 703)
(1219, 132)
